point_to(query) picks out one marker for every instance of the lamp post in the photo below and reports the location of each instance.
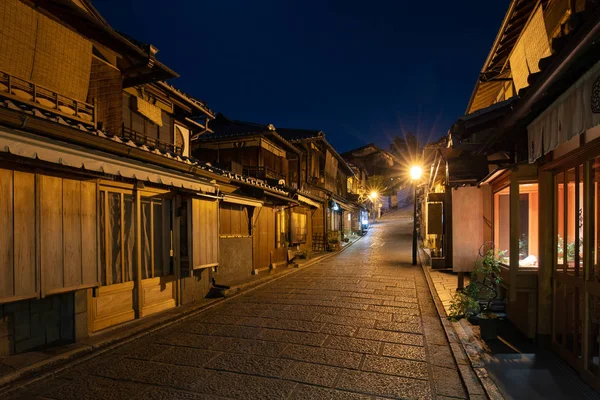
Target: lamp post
(373, 197)
(415, 175)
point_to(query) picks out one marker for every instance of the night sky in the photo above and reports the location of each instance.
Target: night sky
(361, 71)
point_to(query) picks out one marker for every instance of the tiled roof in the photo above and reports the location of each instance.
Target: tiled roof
(294, 135)
(223, 128)
(44, 114)
(200, 104)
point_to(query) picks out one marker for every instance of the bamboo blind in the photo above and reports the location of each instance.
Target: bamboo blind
(532, 46)
(41, 50)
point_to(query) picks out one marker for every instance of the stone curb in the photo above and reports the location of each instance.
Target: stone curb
(470, 348)
(54, 365)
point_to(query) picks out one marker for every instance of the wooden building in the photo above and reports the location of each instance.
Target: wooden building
(325, 175)
(108, 217)
(533, 114)
(272, 223)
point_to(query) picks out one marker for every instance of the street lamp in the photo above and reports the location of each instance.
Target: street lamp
(415, 175)
(373, 197)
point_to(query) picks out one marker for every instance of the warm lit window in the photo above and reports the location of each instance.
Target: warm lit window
(528, 225)
(281, 230)
(502, 223)
(156, 237)
(299, 228)
(569, 220)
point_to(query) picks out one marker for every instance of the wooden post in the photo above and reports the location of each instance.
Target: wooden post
(546, 252)
(514, 236)
(138, 251)
(461, 281)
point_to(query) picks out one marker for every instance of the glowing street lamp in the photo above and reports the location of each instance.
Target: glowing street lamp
(373, 195)
(415, 174)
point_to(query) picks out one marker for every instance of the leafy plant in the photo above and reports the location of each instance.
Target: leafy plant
(478, 295)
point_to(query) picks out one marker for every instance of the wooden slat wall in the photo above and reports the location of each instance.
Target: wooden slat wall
(17, 236)
(205, 233)
(67, 233)
(264, 237)
(24, 234)
(51, 232)
(89, 241)
(6, 235)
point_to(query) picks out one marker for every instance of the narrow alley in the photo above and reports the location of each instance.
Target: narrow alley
(358, 326)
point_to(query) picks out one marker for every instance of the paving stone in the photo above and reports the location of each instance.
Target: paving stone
(353, 344)
(447, 382)
(384, 385)
(289, 314)
(244, 386)
(143, 350)
(377, 316)
(390, 336)
(395, 366)
(459, 354)
(339, 330)
(175, 376)
(185, 356)
(315, 309)
(345, 320)
(249, 346)
(471, 381)
(441, 355)
(404, 351)
(249, 364)
(122, 368)
(315, 374)
(316, 393)
(186, 339)
(159, 393)
(203, 330)
(361, 300)
(321, 355)
(93, 387)
(309, 338)
(399, 326)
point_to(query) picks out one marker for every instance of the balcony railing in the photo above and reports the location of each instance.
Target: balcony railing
(262, 172)
(24, 91)
(330, 183)
(141, 139)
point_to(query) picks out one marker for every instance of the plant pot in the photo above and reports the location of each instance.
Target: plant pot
(488, 328)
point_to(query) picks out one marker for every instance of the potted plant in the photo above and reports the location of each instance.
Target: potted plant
(334, 239)
(477, 298)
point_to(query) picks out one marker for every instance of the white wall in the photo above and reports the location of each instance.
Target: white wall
(467, 227)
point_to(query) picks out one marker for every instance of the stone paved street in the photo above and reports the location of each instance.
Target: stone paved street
(361, 325)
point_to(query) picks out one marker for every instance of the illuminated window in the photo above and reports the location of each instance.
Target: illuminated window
(528, 225)
(502, 223)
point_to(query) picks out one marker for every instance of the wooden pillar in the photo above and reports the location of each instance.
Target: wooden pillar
(588, 251)
(138, 252)
(547, 236)
(514, 236)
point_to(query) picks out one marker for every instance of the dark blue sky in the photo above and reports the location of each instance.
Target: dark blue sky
(361, 71)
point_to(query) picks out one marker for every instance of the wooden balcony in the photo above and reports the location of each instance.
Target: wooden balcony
(18, 89)
(262, 173)
(153, 143)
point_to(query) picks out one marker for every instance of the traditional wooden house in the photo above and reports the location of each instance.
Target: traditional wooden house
(261, 235)
(533, 115)
(109, 219)
(325, 175)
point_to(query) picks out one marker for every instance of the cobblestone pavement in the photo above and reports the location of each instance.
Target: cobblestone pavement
(361, 325)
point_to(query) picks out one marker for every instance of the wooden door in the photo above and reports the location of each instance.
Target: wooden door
(157, 272)
(113, 302)
(264, 237)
